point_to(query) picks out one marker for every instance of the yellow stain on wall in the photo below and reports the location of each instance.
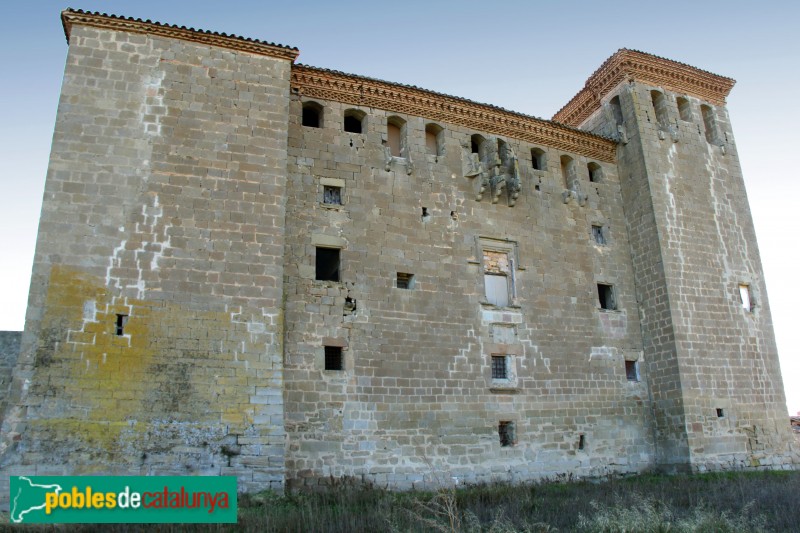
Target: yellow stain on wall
(105, 392)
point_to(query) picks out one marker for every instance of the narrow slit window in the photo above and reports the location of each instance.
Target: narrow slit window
(598, 235)
(119, 328)
(632, 370)
(660, 107)
(684, 109)
(328, 264)
(567, 171)
(499, 367)
(333, 358)
(506, 432)
(405, 281)
(581, 442)
(607, 297)
(396, 135)
(616, 110)
(744, 296)
(720, 412)
(710, 123)
(434, 139)
(332, 195)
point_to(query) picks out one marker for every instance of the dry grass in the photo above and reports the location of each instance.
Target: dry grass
(727, 502)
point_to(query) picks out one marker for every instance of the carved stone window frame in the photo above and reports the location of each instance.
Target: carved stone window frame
(493, 244)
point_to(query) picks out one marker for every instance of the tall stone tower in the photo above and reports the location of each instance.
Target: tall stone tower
(714, 375)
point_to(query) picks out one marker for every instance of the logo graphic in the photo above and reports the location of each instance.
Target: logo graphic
(122, 499)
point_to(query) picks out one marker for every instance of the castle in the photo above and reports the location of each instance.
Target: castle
(251, 267)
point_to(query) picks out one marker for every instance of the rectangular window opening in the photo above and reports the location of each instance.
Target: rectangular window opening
(506, 431)
(333, 358)
(328, 264)
(499, 367)
(744, 296)
(632, 370)
(720, 412)
(120, 325)
(405, 281)
(598, 235)
(607, 299)
(332, 195)
(581, 442)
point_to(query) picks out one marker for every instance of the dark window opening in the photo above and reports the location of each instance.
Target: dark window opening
(581, 442)
(328, 264)
(405, 281)
(598, 235)
(332, 195)
(506, 431)
(312, 115)
(595, 173)
(538, 160)
(720, 412)
(333, 358)
(120, 325)
(632, 370)
(606, 294)
(499, 367)
(352, 125)
(476, 142)
(354, 121)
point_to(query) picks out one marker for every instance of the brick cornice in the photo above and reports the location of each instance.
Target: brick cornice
(70, 17)
(356, 90)
(632, 65)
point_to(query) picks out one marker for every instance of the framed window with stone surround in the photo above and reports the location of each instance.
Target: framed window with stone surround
(499, 261)
(332, 190)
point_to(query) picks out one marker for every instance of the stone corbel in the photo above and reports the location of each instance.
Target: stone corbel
(387, 158)
(498, 184)
(483, 185)
(577, 195)
(513, 183)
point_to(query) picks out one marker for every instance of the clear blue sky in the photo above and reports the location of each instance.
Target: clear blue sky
(529, 56)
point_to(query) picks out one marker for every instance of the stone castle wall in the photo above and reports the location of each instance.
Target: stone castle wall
(225, 286)
(9, 353)
(163, 210)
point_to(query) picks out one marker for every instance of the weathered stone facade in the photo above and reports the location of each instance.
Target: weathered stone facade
(256, 268)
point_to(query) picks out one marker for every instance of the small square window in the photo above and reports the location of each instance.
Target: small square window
(507, 433)
(333, 358)
(405, 281)
(607, 298)
(119, 328)
(499, 367)
(328, 264)
(632, 370)
(332, 195)
(598, 235)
